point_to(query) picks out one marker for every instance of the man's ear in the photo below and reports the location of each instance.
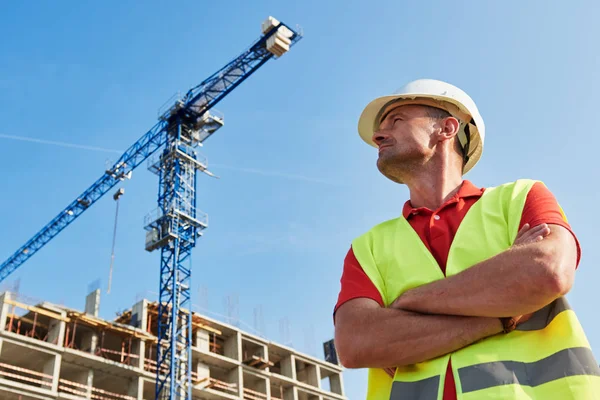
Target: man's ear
(449, 128)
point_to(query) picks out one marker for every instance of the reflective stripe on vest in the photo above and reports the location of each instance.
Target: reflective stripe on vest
(541, 318)
(421, 390)
(568, 362)
(547, 357)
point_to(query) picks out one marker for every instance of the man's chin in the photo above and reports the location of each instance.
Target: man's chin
(390, 173)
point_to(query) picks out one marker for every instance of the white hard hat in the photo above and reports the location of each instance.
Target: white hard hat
(438, 94)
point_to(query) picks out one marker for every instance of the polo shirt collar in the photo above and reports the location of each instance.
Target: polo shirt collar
(467, 189)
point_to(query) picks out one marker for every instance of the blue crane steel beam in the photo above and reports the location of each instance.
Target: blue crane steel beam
(134, 156)
(198, 100)
(178, 226)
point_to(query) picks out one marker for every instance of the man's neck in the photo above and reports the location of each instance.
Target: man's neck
(433, 191)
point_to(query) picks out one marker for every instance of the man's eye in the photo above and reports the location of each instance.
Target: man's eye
(396, 120)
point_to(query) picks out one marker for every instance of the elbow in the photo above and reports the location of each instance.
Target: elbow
(560, 283)
(557, 274)
(349, 360)
(347, 351)
(346, 355)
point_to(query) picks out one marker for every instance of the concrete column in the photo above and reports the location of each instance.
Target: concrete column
(262, 352)
(291, 393)
(92, 303)
(233, 347)
(313, 375)
(288, 367)
(89, 342)
(85, 378)
(139, 315)
(203, 372)
(56, 332)
(236, 376)
(203, 340)
(138, 348)
(52, 368)
(268, 389)
(136, 388)
(4, 309)
(336, 384)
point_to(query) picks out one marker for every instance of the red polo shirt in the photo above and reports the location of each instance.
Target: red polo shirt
(437, 229)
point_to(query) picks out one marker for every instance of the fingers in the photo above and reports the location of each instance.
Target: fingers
(539, 231)
(523, 318)
(532, 235)
(524, 229)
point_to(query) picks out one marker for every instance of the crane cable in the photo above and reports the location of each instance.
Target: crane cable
(116, 197)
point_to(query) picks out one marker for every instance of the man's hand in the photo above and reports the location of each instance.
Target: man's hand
(527, 234)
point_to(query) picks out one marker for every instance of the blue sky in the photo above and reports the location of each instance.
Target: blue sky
(297, 184)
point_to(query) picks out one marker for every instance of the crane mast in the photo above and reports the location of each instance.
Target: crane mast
(176, 224)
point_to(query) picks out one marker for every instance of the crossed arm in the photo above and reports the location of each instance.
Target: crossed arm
(452, 313)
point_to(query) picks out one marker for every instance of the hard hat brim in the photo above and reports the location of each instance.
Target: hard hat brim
(369, 122)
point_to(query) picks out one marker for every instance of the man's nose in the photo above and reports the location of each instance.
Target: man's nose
(379, 137)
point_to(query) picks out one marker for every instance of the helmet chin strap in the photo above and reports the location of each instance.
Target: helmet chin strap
(464, 137)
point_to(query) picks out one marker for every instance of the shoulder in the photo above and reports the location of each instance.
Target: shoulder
(519, 185)
(510, 194)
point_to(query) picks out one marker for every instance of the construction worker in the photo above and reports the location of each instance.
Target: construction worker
(462, 295)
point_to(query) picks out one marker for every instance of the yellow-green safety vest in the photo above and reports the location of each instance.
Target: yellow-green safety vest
(547, 357)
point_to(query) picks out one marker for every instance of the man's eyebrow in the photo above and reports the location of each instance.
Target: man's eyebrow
(392, 113)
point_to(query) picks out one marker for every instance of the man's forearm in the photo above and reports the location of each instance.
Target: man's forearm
(515, 282)
(386, 337)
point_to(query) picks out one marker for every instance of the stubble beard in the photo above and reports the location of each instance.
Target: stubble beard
(398, 167)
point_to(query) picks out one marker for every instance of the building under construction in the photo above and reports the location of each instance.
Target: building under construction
(49, 351)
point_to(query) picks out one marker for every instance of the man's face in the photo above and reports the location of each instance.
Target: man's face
(404, 138)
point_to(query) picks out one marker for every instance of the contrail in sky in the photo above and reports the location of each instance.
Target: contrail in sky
(61, 144)
(220, 166)
(278, 174)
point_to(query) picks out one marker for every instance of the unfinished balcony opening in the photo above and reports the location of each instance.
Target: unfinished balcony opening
(331, 380)
(26, 366)
(10, 395)
(33, 321)
(117, 347)
(74, 379)
(255, 387)
(149, 389)
(220, 380)
(307, 372)
(113, 387)
(207, 341)
(307, 395)
(279, 391)
(208, 337)
(150, 360)
(216, 343)
(80, 336)
(281, 361)
(325, 385)
(254, 354)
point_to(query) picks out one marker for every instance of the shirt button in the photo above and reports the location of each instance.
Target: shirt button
(436, 217)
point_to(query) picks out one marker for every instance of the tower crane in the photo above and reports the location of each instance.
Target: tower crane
(176, 224)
